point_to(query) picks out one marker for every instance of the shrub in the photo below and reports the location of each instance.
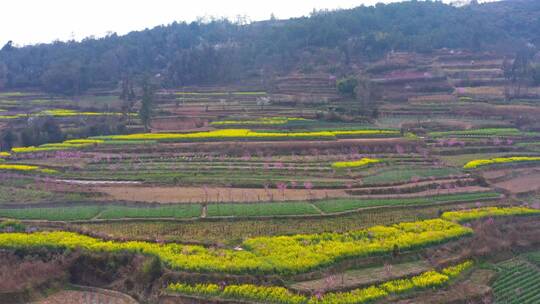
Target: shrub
(346, 86)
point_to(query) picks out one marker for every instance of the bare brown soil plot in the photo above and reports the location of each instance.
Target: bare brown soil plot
(363, 277)
(217, 194)
(83, 297)
(497, 175)
(178, 123)
(521, 184)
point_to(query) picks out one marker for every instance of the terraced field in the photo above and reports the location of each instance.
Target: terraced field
(518, 282)
(279, 196)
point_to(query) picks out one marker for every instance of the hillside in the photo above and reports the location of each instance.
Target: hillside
(223, 52)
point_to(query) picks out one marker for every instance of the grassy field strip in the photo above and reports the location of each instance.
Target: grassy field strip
(185, 211)
(53, 214)
(82, 213)
(176, 211)
(262, 209)
(407, 174)
(343, 205)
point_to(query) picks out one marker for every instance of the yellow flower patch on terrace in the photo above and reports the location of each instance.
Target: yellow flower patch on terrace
(357, 163)
(68, 144)
(352, 297)
(499, 160)
(474, 214)
(279, 254)
(281, 295)
(83, 141)
(246, 133)
(13, 94)
(207, 135)
(33, 149)
(60, 113)
(5, 154)
(454, 271)
(429, 279)
(25, 168)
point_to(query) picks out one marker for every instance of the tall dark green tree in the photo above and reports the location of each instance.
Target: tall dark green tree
(147, 103)
(8, 139)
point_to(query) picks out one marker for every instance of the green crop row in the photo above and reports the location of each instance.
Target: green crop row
(341, 205)
(74, 213)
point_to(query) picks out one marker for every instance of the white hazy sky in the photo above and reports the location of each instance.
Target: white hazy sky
(35, 21)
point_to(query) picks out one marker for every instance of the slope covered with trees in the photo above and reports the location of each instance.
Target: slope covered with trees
(221, 51)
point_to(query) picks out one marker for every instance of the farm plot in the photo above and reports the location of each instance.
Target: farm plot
(341, 205)
(363, 277)
(85, 297)
(263, 209)
(499, 132)
(166, 195)
(108, 212)
(251, 209)
(518, 282)
(397, 174)
(52, 214)
(16, 189)
(273, 294)
(288, 254)
(285, 255)
(176, 211)
(234, 232)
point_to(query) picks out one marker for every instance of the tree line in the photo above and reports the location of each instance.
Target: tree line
(223, 51)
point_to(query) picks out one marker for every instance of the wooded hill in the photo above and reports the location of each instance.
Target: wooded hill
(222, 51)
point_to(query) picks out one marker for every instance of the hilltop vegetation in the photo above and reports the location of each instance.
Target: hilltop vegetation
(222, 51)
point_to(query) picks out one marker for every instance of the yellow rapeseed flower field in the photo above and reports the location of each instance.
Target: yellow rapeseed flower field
(499, 160)
(281, 295)
(355, 164)
(478, 213)
(25, 168)
(281, 254)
